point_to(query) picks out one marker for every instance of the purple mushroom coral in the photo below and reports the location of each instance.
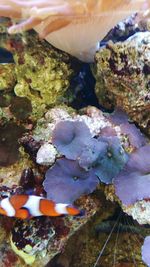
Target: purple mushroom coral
(91, 153)
(66, 181)
(136, 138)
(118, 117)
(146, 251)
(133, 183)
(111, 160)
(105, 156)
(70, 137)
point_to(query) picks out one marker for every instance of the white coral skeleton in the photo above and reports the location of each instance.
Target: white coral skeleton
(74, 26)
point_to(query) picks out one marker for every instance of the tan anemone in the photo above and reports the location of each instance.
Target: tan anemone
(74, 26)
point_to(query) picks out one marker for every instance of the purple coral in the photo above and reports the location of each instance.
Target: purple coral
(146, 251)
(136, 138)
(118, 117)
(108, 131)
(133, 183)
(66, 181)
(70, 137)
(112, 161)
(105, 156)
(91, 153)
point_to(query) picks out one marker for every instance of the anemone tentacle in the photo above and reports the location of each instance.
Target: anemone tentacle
(79, 24)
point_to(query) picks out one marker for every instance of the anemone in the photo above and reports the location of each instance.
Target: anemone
(72, 26)
(66, 181)
(69, 137)
(133, 183)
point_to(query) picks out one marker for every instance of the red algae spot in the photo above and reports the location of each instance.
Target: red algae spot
(60, 228)
(7, 224)
(9, 259)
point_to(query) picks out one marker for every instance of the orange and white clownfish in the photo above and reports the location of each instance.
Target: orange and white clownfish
(24, 207)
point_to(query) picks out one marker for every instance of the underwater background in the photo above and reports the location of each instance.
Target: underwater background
(74, 134)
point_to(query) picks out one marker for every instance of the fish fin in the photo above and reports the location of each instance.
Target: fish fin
(72, 210)
(22, 214)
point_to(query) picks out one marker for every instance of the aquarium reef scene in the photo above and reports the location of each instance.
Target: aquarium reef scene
(74, 133)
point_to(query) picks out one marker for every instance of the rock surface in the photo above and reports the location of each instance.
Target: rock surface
(123, 76)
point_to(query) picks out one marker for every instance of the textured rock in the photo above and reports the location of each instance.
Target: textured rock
(140, 211)
(46, 155)
(42, 74)
(7, 76)
(123, 77)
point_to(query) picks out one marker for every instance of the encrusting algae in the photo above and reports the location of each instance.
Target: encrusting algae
(39, 73)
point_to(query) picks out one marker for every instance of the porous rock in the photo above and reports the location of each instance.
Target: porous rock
(123, 77)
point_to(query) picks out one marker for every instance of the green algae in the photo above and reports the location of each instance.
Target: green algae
(43, 74)
(7, 76)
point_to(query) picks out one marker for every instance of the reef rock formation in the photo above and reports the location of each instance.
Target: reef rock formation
(39, 73)
(123, 77)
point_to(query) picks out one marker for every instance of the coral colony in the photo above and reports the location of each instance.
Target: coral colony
(101, 159)
(93, 160)
(70, 138)
(133, 183)
(66, 181)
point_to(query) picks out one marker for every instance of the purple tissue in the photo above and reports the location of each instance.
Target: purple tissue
(135, 136)
(70, 137)
(66, 181)
(146, 251)
(111, 161)
(133, 183)
(91, 153)
(118, 117)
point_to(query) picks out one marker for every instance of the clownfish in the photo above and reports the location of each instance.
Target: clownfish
(25, 207)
